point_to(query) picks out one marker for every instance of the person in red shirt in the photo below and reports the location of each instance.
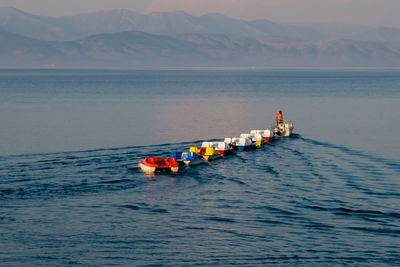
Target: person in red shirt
(279, 118)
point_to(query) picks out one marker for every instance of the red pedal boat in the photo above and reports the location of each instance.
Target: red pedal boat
(150, 165)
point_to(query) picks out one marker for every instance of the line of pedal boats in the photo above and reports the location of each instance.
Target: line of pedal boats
(210, 151)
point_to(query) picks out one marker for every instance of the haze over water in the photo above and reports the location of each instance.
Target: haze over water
(329, 194)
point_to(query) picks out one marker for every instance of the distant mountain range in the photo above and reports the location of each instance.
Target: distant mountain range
(138, 49)
(123, 39)
(69, 28)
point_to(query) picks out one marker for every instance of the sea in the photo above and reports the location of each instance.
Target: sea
(71, 193)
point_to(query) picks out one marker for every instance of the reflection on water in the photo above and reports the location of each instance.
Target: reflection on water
(202, 119)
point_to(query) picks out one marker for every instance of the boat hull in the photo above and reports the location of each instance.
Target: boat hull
(212, 157)
(246, 148)
(288, 131)
(151, 169)
(174, 169)
(284, 129)
(269, 139)
(193, 162)
(145, 168)
(225, 152)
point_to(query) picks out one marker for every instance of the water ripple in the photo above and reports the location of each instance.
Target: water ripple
(294, 201)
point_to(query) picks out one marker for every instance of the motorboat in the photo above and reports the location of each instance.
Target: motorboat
(284, 129)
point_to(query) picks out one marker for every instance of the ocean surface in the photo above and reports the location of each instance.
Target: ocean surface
(71, 193)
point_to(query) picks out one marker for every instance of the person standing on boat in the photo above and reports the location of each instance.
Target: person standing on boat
(279, 118)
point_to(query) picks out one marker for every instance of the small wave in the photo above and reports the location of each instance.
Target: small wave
(131, 207)
(355, 212)
(220, 219)
(319, 226)
(316, 208)
(376, 230)
(237, 180)
(6, 219)
(387, 194)
(57, 189)
(194, 228)
(269, 221)
(390, 164)
(285, 212)
(360, 211)
(159, 210)
(115, 181)
(6, 191)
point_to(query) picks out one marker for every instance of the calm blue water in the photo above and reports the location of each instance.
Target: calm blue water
(70, 193)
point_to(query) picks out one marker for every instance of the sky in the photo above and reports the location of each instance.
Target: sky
(354, 12)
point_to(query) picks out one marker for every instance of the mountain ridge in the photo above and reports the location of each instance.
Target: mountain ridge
(75, 27)
(135, 49)
(67, 28)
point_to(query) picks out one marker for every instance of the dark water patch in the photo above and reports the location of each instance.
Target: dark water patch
(46, 168)
(134, 168)
(236, 180)
(52, 161)
(83, 164)
(115, 181)
(394, 166)
(351, 211)
(6, 191)
(350, 259)
(319, 226)
(368, 219)
(377, 230)
(266, 221)
(364, 214)
(393, 214)
(384, 194)
(280, 211)
(6, 219)
(220, 219)
(316, 208)
(279, 259)
(159, 210)
(105, 167)
(272, 171)
(195, 228)
(235, 233)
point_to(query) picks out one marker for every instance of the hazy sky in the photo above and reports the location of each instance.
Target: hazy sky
(357, 12)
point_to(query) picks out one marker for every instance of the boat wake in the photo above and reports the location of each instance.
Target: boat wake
(91, 171)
